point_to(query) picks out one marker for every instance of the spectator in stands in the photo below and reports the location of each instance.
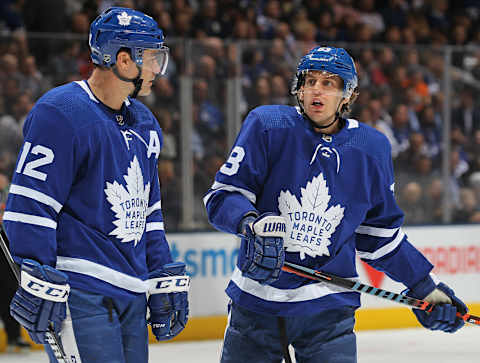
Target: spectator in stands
(401, 128)
(433, 201)
(268, 19)
(262, 94)
(469, 209)
(169, 148)
(280, 93)
(411, 202)
(210, 117)
(466, 116)
(170, 193)
(430, 124)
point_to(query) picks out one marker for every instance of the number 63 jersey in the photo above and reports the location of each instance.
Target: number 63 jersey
(336, 195)
(85, 195)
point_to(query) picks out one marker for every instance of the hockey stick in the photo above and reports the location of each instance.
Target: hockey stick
(52, 338)
(367, 289)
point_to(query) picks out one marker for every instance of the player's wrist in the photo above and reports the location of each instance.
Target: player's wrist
(422, 288)
(246, 220)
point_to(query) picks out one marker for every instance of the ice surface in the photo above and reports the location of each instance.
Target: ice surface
(385, 346)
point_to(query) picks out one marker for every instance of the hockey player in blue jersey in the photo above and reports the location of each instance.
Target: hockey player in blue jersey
(311, 187)
(84, 212)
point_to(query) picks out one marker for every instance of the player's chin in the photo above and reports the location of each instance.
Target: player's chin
(145, 91)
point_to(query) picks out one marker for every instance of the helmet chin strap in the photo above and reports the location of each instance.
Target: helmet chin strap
(314, 125)
(137, 81)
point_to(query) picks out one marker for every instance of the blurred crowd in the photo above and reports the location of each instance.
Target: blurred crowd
(398, 45)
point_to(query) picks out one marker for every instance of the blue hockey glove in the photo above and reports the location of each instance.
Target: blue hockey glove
(40, 299)
(261, 254)
(443, 316)
(168, 301)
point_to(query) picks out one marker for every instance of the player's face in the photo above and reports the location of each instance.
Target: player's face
(154, 63)
(321, 95)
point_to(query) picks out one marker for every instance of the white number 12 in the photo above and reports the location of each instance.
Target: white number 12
(29, 170)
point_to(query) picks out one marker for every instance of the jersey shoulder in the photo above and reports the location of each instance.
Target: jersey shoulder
(58, 108)
(369, 140)
(142, 114)
(275, 116)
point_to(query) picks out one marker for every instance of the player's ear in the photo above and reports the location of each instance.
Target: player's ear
(300, 94)
(123, 58)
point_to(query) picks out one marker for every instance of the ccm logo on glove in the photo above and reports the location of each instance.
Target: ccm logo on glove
(44, 289)
(163, 285)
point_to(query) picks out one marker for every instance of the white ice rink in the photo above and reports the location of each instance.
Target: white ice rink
(385, 346)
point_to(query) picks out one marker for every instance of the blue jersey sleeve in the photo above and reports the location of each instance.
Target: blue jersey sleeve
(43, 177)
(158, 250)
(241, 177)
(380, 240)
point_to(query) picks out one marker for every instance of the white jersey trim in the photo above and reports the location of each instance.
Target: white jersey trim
(29, 219)
(87, 90)
(375, 231)
(384, 250)
(352, 123)
(154, 207)
(154, 226)
(35, 195)
(229, 188)
(269, 293)
(103, 273)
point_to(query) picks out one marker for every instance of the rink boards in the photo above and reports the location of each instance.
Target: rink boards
(211, 258)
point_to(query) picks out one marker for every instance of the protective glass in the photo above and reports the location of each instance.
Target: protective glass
(156, 60)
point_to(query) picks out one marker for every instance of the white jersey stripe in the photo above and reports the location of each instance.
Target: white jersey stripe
(384, 250)
(35, 195)
(154, 226)
(375, 231)
(230, 188)
(29, 219)
(154, 207)
(269, 293)
(103, 273)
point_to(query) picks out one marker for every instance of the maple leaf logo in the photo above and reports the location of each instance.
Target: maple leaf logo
(310, 223)
(124, 19)
(130, 204)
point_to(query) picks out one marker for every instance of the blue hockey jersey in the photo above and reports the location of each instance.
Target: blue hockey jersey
(85, 195)
(336, 194)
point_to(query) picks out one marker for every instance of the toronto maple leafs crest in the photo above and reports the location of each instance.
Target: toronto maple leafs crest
(124, 19)
(310, 222)
(129, 204)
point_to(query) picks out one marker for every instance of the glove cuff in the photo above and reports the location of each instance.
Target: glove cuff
(422, 288)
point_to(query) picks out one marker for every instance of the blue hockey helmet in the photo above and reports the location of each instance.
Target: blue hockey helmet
(118, 28)
(328, 59)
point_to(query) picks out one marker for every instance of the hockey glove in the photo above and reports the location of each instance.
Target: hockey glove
(168, 301)
(261, 254)
(443, 316)
(40, 299)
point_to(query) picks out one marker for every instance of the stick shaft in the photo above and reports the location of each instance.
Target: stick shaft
(367, 289)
